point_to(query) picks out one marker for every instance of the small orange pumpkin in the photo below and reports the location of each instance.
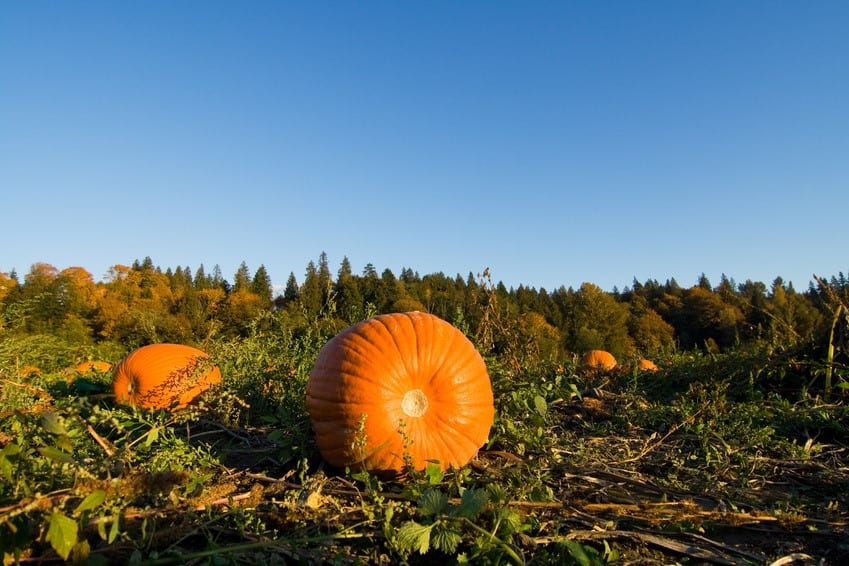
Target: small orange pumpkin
(93, 367)
(163, 376)
(598, 360)
(646, 365)
(401, 384)
(29, 371)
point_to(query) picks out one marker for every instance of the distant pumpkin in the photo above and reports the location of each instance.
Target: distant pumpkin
(163, 376)
(646, 365)
(598, 360)
(29, 371)
(93, 367)
(400, 385)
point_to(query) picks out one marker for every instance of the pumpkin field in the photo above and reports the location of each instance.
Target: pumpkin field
(424, 428)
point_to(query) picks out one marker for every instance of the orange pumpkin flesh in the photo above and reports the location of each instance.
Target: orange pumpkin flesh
(163, 376)
(598, 360)
(400, 384)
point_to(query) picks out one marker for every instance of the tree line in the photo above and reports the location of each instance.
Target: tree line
(141, 304)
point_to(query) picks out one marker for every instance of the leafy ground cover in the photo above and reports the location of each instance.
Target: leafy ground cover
(718, 459)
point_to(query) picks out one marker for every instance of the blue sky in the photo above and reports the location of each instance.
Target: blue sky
(553, 142)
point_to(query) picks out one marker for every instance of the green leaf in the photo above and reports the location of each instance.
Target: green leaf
(432, 502)
(10, 450)
(540, 405)
(63, 442)
(91, 501)
(471, 503)
(276, 435)
(445, 539)
(579, 553)
(7, 454)
(62, 534)
(115, 530)
(52, 424)
(510, 520)
(434, 474)
(152, 436)
(413, 536)
(55, 455)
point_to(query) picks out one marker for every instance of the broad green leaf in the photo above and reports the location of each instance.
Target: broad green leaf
(6, 469)
(413, 536)
(509, 520)
(152, 436)
(471, 503)
(62, 534)
(445, 539)
(276, 435)
(55, 455)
(8, 452)
(91, 501)
(432, 502)
(540, 405)
(52, 424)
(63, 442)
(434, 474)
(578, 553)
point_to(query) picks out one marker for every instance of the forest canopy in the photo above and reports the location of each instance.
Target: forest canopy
(142, 304)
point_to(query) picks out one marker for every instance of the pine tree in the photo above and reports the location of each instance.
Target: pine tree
(200, 281)
(261, 285)
(243, 278)
(344, 268)
(349, 301)
(218, 281)
(291, 292)
(311, 291)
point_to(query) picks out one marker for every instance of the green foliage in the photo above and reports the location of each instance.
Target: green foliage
(566, 474)
(485, 532)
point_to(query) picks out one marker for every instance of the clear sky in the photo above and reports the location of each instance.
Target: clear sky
(555, 142)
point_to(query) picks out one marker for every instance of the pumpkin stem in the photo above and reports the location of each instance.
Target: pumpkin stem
(414, 403)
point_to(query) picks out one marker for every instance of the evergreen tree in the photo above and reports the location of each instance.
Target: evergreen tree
(311, 293)
(200, 280)
(345, 268)
(218, 279)
(242, 279)
(261, 286)
(390, 290)
(325, 280)
(349, 300)
(291, 292)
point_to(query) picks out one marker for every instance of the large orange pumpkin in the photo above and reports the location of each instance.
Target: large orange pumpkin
(402, 384)
(163, 376)
(598, 360)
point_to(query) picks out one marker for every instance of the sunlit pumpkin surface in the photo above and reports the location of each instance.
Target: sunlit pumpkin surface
(163, 376)
(401, 383)
(598, 359)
